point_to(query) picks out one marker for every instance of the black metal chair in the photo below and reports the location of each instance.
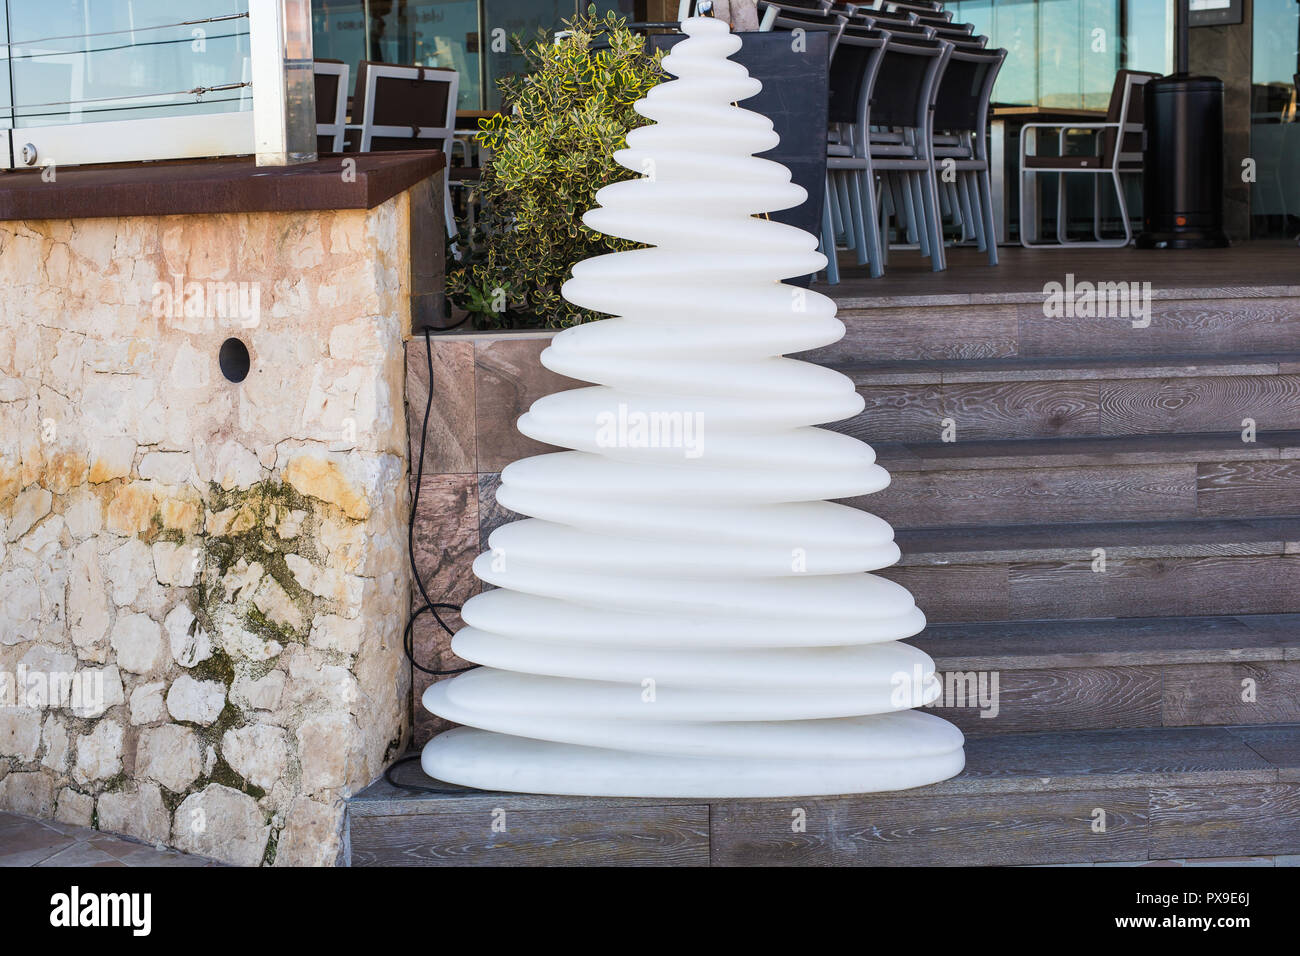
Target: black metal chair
(961, 119)
(850, 179)
(902, 102)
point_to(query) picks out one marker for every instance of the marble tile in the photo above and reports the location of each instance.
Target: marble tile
(450, 441)
(446, 543)
(490, 514)
(84, 854)
(508, 378)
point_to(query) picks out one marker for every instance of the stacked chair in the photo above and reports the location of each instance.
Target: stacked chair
(907, 149)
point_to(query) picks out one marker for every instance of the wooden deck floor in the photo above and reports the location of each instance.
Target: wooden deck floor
(1254, 268)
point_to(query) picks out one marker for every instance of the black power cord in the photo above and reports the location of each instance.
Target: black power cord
(408, 638)
(428, 605)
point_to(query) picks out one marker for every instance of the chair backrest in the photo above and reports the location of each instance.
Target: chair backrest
(331, 80)
(853, 74)
(965, 92)
(924, 9)
(950, 31)
(907, 81)
(404, 107)
(968, 43)
(1126, 107)
(790, 20)
(885, 17)
(896, 28)
(768, 11)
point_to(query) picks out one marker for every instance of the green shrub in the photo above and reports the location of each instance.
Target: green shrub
(552, 149)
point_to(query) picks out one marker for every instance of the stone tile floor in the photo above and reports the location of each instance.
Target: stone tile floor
(25, 841)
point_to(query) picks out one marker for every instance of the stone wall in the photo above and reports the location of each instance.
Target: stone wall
(203, 584)
(482, 384)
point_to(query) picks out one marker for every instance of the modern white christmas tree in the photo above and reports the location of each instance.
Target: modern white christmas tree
(684, 614)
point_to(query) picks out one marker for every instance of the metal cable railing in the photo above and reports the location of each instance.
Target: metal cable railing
(133, 92)
(11, 52)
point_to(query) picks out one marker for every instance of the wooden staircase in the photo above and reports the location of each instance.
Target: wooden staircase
(1100, 538)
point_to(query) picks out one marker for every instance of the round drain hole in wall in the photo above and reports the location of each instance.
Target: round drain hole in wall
(234, 360)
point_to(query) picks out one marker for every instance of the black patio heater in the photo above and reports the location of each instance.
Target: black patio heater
(1182, 164)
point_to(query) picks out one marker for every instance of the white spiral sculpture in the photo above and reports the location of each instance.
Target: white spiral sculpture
(683, 614)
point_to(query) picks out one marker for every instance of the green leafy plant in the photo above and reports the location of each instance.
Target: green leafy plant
(552, 149)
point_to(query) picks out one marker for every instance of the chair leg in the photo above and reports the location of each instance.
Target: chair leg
(828, 237)
(1123, 207)
(1028, 208)
(1062, 233)
(884, 204)
(930, 203)
(969, 209)
(916, 213)
(871, 223)
(984, 197)
(842, 194)
(855, 211)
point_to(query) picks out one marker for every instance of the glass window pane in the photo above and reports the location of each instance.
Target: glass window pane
(338, 32)
(1149, 35)
(429, 33)
(505, 19)
(1274, 130)
(126, 60)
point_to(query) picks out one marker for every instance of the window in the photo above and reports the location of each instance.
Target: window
(1274, 129)
(154, 78)
(1064, 53)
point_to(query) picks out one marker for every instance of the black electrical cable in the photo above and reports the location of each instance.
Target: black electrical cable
(408, 638)
(429, 605)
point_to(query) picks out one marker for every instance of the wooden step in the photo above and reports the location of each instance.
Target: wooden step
(1014, 324)
(1056, 572)
(1130, 478)
(1091, 796)
(1023, 676)
(1050, 398)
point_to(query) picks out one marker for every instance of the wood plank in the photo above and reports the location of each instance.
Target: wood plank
(1213, 693)
(1139, 587)
(932, 332)
(1279, 745)
(914, 830)
(1202, 325)
(1248, 487)
(1128, 539)
(1249, 269)
(1089, 760)
(1059, 699)
(896, 413)
(593, 836)
(965, 593)
(1118, 642)
(1225, 821)
(1146, 406)
(1021, 409)
(932, 499)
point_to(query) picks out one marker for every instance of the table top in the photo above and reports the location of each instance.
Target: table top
(1066, 112)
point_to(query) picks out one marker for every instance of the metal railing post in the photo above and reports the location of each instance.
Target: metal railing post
(284, 95)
